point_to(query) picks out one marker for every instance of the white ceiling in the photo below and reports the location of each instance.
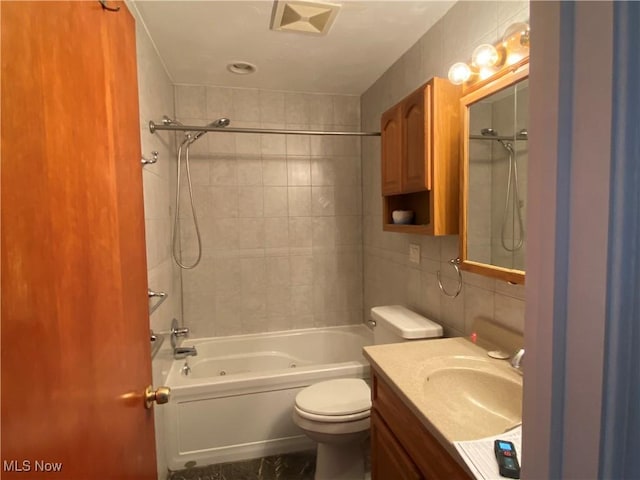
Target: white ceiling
(197, 39)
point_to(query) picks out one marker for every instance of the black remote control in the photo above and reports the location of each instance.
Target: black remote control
(507, 459)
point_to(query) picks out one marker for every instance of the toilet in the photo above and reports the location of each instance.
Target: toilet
(335, 413)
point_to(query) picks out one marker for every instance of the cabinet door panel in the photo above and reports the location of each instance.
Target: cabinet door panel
(391, 151)
(389, 460)
(414, 138)
(430, 457)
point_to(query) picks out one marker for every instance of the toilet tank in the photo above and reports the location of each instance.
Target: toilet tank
(395, 323)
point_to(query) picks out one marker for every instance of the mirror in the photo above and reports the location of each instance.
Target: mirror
(494, 175)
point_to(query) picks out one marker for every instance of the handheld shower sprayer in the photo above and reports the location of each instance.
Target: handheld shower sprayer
(512, 194)
(189, 139)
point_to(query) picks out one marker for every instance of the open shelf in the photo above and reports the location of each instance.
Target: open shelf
(418, 202)
(415, 229)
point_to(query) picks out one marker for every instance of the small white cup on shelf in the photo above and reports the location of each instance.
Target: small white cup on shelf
(402, 217)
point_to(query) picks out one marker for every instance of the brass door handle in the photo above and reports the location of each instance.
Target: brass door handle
(160, 396)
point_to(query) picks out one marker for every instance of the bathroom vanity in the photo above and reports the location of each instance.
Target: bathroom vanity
(427, 395)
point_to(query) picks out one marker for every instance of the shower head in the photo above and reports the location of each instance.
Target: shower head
(490, 132)
(219, 123)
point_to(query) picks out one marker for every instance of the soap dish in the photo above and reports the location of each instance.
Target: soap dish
(498, 354)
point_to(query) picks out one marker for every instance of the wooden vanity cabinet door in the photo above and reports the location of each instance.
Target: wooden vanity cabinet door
(420, 446)
(415, 141)
(388, 458)
(391, 143)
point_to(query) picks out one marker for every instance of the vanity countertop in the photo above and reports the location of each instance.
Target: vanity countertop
(407, 367)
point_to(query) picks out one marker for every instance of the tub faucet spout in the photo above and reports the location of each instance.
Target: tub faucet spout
(184, 352)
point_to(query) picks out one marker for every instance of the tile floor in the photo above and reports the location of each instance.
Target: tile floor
(292, 466)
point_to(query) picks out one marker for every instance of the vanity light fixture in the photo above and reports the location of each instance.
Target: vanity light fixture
(459, 73)
(485, 55)
(487, 59)
(515, 42)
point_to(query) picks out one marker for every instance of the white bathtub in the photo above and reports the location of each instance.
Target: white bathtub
(237, 401)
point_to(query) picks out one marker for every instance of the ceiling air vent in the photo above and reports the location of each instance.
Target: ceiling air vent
(304, 17)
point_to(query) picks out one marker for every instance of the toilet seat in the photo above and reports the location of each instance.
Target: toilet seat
(333, 418)
(341, 400)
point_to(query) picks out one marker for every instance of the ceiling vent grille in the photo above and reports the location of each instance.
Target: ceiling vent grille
(304, 17)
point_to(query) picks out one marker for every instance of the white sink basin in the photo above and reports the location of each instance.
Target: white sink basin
(469, 397)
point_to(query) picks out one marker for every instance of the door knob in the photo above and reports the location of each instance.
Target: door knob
(160, 396)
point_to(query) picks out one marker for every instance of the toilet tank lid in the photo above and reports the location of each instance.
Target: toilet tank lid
(405, 323)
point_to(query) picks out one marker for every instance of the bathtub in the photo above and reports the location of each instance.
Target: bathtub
(237, 401)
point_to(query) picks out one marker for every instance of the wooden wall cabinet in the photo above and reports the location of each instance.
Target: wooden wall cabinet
(401, 447)
(420, 159)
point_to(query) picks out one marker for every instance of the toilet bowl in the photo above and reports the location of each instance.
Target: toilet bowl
(335, 413)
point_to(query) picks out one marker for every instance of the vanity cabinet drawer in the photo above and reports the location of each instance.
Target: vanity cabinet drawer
(422, 448)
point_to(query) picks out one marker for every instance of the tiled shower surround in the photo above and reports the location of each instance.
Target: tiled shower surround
(280, 215)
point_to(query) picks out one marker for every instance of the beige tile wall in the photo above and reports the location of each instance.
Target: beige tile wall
(155, 92)
(280, 216)
(388, 275)
(156, 100)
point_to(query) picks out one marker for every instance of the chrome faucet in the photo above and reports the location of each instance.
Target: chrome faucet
(176, 332)
(516, 360)
(184, 352)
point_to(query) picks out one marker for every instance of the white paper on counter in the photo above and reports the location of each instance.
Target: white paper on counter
(480, 456)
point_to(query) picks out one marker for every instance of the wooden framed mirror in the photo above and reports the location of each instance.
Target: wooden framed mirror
(493, 193)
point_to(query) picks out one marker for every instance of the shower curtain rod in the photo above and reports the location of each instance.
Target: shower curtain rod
(498, 137)
(153, 127)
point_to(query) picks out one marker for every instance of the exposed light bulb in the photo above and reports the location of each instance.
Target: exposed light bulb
(485, 55)
(459, 73)
(516, 41)
(486, 72)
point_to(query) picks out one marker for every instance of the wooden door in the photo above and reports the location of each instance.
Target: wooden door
(415, 135)
(388, 458)
(75, 334)
(391, 133)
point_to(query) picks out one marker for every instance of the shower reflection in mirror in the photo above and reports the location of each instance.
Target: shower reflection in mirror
(497, 183)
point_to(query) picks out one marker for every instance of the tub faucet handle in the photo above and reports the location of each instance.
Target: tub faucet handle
(180, 332)
(176, 332)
